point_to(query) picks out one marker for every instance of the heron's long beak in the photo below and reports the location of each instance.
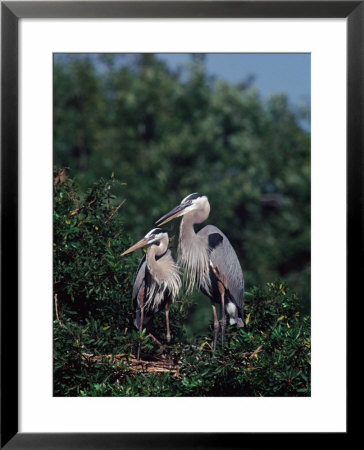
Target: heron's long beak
(134, 247)
(175, 212)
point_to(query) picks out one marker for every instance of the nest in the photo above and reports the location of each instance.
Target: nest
(157, 365)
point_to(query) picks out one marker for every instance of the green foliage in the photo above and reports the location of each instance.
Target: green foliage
(93, 320)
(88, 241)
(167, 134)
(270, 356)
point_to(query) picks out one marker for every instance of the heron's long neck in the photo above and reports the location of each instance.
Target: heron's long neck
(158, 250)
(186, 231)
(193, 253)
(153, 264)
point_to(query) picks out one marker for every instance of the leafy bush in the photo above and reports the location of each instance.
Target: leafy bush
(95, 340)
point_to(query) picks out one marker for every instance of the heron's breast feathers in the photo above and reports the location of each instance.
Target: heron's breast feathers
(165, 280)
(193, 257)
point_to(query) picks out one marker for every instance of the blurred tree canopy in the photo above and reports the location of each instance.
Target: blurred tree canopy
(167, 133)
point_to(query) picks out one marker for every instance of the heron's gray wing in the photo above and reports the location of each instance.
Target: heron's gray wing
(142, 261)
(139, 279)
(225, 260)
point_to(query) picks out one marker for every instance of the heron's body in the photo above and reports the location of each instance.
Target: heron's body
(221, 257)
(157, 281)
(209, 261)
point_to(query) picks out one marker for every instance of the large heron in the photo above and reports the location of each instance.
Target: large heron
(209, 261)
(157, 281)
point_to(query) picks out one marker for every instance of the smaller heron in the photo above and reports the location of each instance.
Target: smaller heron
(157, 281)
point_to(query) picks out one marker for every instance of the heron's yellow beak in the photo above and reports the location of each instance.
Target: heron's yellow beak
(134, 247)
(175, 212)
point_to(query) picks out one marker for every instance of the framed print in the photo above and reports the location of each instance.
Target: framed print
(76, 79)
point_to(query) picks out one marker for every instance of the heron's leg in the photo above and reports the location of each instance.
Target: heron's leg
(223, 315)
(216, 325)
(166, 309)
(222, 295)
(141, 304)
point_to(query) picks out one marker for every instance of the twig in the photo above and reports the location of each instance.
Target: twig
(115, 211)
(56, 308)
(251, 354)
(77, 210)
(256, 351)
(154, 339)
(61, 177)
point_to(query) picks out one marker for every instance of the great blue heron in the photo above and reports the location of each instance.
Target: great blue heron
(209, 261)
(157, 281)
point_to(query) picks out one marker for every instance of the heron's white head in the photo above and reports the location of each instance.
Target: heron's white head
(193, 202)
(154, 236)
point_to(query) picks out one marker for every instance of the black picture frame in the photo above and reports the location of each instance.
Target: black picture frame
(11, 12)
